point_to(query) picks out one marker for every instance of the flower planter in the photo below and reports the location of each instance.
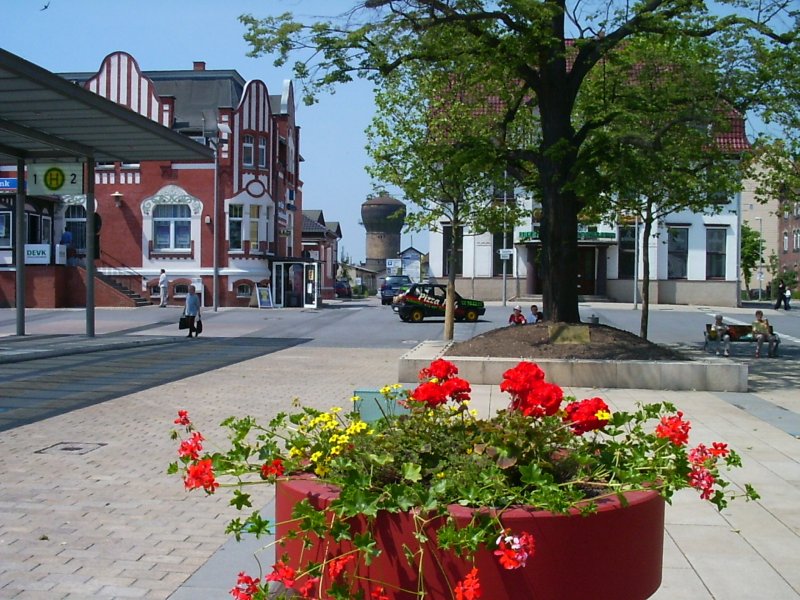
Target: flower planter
(613, 554)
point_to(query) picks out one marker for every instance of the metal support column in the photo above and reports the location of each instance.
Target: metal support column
(90, 246)
(19, 246)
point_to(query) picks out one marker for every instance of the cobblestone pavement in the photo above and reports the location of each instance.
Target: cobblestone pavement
(88, 512)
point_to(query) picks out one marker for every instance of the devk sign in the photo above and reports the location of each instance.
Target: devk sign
(37, 254)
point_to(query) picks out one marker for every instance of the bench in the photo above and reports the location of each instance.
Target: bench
(737, 333)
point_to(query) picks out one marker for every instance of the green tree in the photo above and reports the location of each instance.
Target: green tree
(426, 140)
(664, 153)
(752, 246)
(537, 55)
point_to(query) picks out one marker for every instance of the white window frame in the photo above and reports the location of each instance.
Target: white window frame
(172, 221)
(236, 218)
(247, 150)
(76, 225)
(262, 151)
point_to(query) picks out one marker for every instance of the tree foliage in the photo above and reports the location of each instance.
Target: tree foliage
(752, 246)
(539, 56)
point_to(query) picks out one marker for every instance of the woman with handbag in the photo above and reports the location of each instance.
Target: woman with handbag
(192, 310)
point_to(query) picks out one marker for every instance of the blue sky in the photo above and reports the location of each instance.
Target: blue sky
(75, 35)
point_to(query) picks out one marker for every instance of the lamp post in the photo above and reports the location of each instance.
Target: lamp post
(760, 255)
(636, 263)
(221, 128)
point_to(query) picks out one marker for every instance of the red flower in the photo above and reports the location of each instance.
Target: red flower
(429, 393)
(307, 588)
(702, 479)
(457, 389)
(282, 573)
(440, 369)
(245, 587)
(530, 393)
(587, 415)
(201, 475)
(337, 565)
(183, 418)
(719, 449)
(192, 446)
(675, 429)
(470, 587)
(514, 551)
(378, 594)
(275, 468)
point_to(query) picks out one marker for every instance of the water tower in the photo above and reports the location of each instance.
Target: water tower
(383, 218)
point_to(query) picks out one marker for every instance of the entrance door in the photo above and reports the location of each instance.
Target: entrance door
(587, 270)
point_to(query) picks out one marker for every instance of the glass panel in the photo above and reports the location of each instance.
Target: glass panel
(5, 229)
(183, 235)
(677, 253)
(255, 212)
(161, 235)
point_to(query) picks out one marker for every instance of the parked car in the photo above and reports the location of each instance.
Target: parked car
(393, 285)
(429, 299)
(342, 289)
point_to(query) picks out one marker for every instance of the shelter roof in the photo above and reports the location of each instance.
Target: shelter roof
(44, 116)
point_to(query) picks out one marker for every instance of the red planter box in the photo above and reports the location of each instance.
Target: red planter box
(613, 554)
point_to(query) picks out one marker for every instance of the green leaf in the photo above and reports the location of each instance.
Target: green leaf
(412, 472)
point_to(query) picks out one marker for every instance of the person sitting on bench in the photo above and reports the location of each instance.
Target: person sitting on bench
(723, 337)
(761, 333)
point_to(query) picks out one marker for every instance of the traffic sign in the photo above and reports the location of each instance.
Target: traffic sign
(55, 178)
(506, 253)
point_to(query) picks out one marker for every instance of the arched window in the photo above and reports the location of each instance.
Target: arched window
(785, 241)
(243, 290)
(75, 223)
(172, 227)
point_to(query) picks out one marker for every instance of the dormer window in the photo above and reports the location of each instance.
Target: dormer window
(247, 150)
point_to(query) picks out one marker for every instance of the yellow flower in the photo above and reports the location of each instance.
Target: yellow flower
(295, 452)
(440, 475)
(603, 415)
(316, 456)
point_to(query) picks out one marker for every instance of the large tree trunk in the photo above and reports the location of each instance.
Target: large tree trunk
(449, 308)
(559, 234)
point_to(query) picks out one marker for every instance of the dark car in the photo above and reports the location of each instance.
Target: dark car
(342, 289)
(393, 285)
(428, 300)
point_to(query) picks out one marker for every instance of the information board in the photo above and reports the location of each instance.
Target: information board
(264, 297)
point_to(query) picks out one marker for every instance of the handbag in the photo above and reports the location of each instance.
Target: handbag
(184, 322)
(198, 325)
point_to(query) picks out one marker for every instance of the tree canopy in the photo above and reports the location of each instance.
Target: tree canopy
(540, 58)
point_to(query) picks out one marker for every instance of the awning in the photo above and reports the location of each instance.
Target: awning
(43, 116)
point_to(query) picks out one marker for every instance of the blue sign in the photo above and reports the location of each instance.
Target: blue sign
(8, 184)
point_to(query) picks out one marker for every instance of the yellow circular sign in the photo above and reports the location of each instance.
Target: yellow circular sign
(54, 179)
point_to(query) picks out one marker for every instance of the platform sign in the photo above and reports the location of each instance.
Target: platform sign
(55, 178)
(37, 254)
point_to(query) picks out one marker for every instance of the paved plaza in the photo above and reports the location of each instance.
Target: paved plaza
(87, 510)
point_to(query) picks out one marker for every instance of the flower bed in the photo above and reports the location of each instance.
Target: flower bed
(423, 502)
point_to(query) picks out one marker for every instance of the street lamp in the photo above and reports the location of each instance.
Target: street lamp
(221, 128)
(760, 255)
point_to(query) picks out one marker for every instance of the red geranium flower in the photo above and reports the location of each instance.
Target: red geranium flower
(245, 587)
(283, 573)
(275, 468)
(675, 429)
(307, 588)
(583, 416)
(183, 418)
(378, 594)
(337, 565)
(470, 587)
(429, 393)
(457, 389)
(513, 551)
(440, 369)
(201, 475)
(192, 446)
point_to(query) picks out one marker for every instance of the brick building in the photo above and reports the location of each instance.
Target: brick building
(225, 225)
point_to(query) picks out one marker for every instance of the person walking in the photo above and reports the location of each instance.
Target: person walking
(784, 293)
(163, 286)
(192, 309)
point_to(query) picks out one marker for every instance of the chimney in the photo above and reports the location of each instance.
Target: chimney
(199, 65)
